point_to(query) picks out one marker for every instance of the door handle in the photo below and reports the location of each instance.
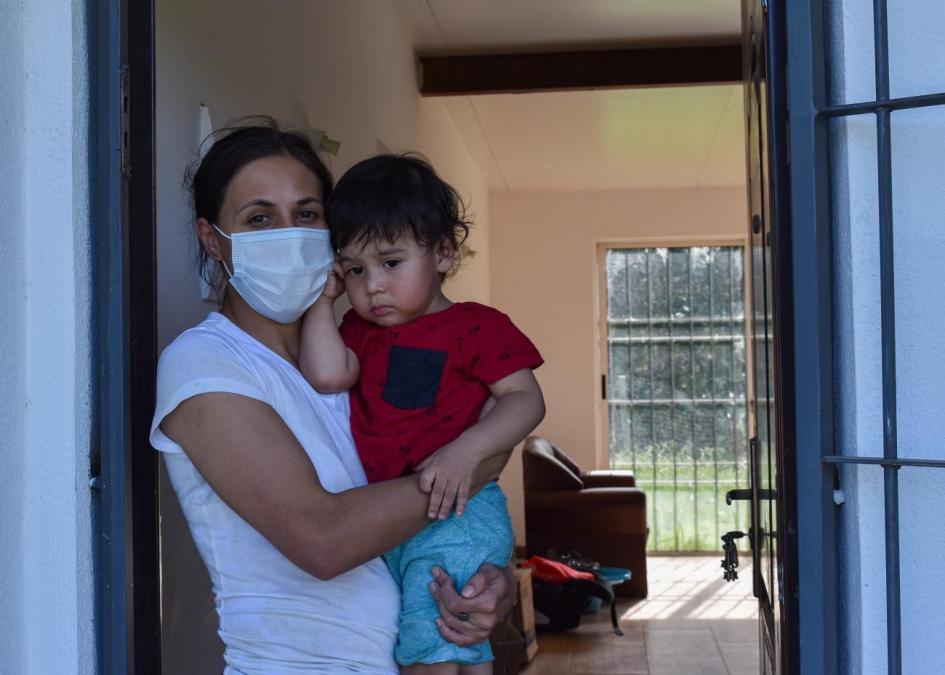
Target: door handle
(745, 494)
(739, 495)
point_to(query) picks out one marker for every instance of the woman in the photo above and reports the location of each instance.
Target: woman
(263, 465)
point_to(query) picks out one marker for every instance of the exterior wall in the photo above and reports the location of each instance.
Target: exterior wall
(46, 580)
(917, 66)
(347, 68)
(544, 275)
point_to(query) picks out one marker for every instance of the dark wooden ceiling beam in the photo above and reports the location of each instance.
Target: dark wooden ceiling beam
(562, 71)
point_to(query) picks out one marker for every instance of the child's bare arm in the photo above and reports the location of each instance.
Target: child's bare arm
(447, 473)
(324, 360)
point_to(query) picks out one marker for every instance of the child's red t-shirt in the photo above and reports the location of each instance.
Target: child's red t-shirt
(425, 382)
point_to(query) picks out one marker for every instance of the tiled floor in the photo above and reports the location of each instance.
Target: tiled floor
(693, 623)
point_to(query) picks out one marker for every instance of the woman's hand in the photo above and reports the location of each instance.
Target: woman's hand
(484, 601)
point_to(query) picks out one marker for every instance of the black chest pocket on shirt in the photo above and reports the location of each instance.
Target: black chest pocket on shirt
(413, 377)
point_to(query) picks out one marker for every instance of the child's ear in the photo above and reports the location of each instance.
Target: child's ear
(445, 253)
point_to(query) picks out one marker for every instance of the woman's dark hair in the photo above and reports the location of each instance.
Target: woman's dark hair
(388, 196)
(235, 146)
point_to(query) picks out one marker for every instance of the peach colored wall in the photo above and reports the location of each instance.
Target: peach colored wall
(544, 275)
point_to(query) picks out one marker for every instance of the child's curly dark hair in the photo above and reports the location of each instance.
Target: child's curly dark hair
(388, 196)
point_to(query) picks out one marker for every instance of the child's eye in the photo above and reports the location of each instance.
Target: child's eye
(391, 264)
(353, 271)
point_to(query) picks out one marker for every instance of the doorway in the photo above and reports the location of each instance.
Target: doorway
(292, 97)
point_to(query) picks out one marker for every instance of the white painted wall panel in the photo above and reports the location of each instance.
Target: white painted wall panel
(917, 62)
(46, 581)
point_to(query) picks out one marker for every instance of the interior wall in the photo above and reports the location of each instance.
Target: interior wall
(544, 275)
(344, 67)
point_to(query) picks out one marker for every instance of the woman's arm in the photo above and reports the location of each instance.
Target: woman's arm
(254, 463)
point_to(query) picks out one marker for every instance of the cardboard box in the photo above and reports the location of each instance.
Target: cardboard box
(508, 647)
(523, 614)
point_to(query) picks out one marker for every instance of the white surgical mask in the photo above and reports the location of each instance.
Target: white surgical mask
(280, 272)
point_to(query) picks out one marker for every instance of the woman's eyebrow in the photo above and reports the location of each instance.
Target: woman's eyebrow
(308, 200)
(254, 202)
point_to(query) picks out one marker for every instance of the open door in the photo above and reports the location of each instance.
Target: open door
(771, 492)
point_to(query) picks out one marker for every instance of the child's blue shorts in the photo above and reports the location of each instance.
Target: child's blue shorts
(483, 534)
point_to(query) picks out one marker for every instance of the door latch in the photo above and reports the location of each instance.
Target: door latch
(730, 561)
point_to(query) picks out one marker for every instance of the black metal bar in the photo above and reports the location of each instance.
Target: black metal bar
(111, 408)
(893, 609)
(884, 461)
(888, 321)
(142, 326)
(734, 371)
(902, 103)
(809, 360)
(649, 356)
(692, 385)
(633, 447)
(672, 395)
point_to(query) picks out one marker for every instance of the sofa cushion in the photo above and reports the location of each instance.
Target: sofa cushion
(544, 470)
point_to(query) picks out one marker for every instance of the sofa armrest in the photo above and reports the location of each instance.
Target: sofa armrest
(604, 511)
(600, 479)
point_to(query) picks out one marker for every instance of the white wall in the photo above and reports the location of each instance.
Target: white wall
(917, 66)
(543, 262)
(46, 582)
(345, 67)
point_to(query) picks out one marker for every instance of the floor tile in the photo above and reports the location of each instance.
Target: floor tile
(693, 623)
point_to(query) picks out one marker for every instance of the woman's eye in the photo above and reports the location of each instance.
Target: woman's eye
(391, 264)
(258, 219)
(310, 214)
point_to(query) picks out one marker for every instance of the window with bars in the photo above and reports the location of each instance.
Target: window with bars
(676, 386)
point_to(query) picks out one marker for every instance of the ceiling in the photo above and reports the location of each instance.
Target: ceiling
(502, 26)
(668, 137)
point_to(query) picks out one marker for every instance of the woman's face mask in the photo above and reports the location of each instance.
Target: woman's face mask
(280, 273)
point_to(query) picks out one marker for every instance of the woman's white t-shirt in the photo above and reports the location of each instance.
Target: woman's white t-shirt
(275, 619)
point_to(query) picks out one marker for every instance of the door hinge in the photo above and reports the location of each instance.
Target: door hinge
(124, 95)
(603, 387)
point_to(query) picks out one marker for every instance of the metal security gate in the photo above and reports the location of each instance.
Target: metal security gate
(817, 460)
(675, 386)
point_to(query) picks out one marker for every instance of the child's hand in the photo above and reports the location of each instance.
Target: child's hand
(447, 475)
(335, 286)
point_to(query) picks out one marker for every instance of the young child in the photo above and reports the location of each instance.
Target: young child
(420, 369)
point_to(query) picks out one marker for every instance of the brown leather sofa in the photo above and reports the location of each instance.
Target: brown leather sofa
(602, 514)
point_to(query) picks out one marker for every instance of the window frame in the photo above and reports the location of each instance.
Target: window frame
(601, 352)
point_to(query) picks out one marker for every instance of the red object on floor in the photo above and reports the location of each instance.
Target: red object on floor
(552, 572)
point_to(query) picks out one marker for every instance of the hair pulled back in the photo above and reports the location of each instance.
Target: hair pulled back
(233, 147)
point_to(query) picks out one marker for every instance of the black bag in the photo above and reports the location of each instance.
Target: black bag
(563, 604)
(574, 559)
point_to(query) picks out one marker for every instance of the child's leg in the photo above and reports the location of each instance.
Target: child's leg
(476, 668)
(432, 669)
(459, 546)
